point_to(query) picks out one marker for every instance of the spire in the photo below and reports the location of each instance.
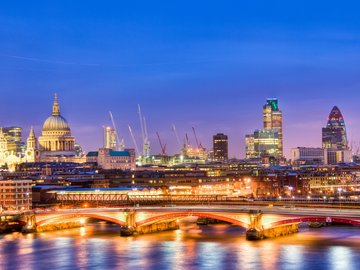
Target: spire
(32, 133)
(56, 107)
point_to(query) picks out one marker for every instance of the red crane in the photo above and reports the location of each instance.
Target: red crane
(163, 147)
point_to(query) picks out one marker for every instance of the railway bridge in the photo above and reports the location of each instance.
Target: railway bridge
(259, 222)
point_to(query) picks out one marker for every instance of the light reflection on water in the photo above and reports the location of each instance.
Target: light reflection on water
(215, 247)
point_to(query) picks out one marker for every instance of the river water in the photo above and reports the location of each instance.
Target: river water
(99, 246)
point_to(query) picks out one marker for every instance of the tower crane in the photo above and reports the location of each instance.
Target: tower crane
(144, 133)
(120, 144)
(163, 147)
(176, 135)
(134, 141)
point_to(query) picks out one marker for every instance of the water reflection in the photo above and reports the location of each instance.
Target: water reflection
(99, 246)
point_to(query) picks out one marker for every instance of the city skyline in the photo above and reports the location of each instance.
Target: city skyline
(210, 67)
(129, 144)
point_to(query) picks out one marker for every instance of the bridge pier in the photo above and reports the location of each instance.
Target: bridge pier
(131, 228)
(30, 222)
(157, 227)
(257, 232)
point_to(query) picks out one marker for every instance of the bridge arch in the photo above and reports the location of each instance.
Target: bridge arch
(328, 219)
(69, 217)
(176, 215)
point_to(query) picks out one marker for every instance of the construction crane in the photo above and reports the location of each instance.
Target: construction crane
(141, 123)
(120, 144)
(163, 147)
(198, 144)
(187, 141)
(176, 135)
(144, 133)
(134, 141)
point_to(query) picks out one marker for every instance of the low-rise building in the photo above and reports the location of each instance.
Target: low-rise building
(15, 195)
(109, 159)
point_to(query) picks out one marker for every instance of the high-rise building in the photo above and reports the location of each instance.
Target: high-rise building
(272, 117)
(12, 135)
(266, 143)
(220, 147)
(250, 146)
(109, 138)
(334, 134)
(262, 143)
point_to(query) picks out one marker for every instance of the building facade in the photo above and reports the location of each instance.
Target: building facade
(220, 147)
(56, 144)
(309, 156)
(262, 143)
(110, 138)
(334, 134)
(272, 118)
(15, 195)
(109, 159)
(267, 142)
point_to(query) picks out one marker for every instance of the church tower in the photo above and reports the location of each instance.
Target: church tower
(31, 147)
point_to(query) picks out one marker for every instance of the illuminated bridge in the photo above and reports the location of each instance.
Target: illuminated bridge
(259, 222)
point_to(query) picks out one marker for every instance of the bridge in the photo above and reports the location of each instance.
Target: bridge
(259, 222)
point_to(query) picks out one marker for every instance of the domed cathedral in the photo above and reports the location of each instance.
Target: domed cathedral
(56, 142)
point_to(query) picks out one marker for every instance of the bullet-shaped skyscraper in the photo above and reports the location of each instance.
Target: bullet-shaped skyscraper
(272, 117)
(220, 146)
(334, 134)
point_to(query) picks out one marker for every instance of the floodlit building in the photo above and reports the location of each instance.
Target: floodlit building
(267, 142)
(334, 134)
(262, 143)
(334, 138)
(56, 142)
(309, 156)
(272, 118)
(109, 159)
(109, 138)
(15, 195)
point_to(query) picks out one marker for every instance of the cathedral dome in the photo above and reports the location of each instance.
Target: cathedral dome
(55, 122)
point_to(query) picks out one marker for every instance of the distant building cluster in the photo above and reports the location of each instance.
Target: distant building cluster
(267, 143)
(334, 149)
(55, 143)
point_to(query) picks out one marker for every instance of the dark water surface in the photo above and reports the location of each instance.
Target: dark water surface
(99, 246)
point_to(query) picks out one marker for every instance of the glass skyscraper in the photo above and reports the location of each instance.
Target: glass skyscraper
(334, 134)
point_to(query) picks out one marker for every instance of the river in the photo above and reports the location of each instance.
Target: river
(99, 246)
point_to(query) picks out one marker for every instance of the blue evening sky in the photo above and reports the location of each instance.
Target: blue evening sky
(208, 64)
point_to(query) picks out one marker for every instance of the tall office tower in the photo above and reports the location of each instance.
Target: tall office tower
(14, 139)
(110, 138)
(334, 134)
(220, 145)
(262, 143)
(250, 146)
(273, 121)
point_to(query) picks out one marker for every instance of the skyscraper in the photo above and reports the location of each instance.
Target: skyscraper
(334, 134)
(220, 145)
(272, 117)
(109, 138)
